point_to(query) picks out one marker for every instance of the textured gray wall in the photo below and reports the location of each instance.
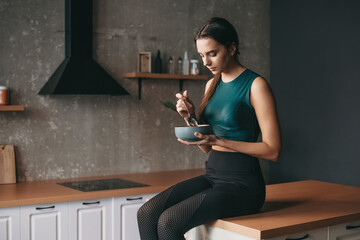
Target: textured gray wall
(76, 136)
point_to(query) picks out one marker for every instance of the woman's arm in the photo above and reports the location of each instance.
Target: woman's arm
(182, 110)
(269, 148)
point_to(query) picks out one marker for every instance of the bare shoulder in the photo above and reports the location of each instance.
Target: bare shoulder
(261, 94)
(260, 86)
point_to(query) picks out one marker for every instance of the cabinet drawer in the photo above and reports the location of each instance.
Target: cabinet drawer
(317, 234)
(347, 231)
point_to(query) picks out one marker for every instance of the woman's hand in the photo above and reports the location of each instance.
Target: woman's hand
(180, 107)
(205, 140)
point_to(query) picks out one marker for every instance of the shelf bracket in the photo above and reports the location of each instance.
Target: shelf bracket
(139, 87)
(181, 85)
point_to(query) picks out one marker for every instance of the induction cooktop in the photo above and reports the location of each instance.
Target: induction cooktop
(102, 184)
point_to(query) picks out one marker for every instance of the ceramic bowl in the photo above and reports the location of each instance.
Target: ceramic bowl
(187, 133)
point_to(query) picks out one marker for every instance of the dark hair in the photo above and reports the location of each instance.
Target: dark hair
(221, 31)
(224, 33)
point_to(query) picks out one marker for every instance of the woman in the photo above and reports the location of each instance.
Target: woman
(238, 104)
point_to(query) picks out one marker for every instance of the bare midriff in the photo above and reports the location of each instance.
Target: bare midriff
(222, 149)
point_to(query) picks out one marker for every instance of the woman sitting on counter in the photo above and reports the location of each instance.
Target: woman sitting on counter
(238, 104)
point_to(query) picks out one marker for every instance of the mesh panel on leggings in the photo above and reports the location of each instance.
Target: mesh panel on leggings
(149, 213)
(172, 222)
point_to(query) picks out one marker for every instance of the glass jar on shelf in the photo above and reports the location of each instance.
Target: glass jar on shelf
(194, 70)
(4, 95)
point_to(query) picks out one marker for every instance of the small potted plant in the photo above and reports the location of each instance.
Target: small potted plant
(169, 104)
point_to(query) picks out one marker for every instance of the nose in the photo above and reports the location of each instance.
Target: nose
(206, 61)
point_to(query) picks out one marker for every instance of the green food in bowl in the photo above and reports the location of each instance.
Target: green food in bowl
(187, 133)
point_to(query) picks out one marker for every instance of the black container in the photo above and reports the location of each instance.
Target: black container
(158, 62)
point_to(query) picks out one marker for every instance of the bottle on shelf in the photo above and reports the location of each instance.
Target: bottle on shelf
(158, 62)
(179, 66)
(186, 64)
(171, 65)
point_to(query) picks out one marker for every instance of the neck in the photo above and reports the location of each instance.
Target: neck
(234, 70)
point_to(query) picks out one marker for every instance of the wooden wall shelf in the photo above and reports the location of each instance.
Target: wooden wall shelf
(141, 76)
(11, 108)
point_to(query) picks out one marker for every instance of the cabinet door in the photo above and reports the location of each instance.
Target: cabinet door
(317, 234)
(91, 219)
(44, 222)
(129, 225)
(347, 231)
(215, 233)
(125, 218)
(10, 223)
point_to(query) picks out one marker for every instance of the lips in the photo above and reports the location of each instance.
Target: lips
(212, 69)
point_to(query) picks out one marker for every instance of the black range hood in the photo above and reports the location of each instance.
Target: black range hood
(79, 73)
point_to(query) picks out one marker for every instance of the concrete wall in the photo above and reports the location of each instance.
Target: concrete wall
(76, 136)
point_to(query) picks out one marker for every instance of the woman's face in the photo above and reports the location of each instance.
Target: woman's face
(215, 56)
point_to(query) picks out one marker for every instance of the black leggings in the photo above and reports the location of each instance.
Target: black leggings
(221, 193)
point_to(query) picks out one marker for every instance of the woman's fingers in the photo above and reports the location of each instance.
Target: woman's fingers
(203, 140)
(179, 95)
(183, 96)
(180, 104)
(199, 135)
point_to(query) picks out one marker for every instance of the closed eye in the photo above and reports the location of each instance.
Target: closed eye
(211, 53)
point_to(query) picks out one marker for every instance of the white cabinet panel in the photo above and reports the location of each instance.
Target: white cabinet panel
(351, 236)
(44, 222)
(129, 225)
(347, 231)
(317, 234)
(10, 223)
(90, 223)
(91, 219)
(5, 227)
(44, 226)
(215, 233)
(125, 218)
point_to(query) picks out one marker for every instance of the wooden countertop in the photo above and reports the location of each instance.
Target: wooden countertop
(289, 207)
(296, 207)
(39, 192)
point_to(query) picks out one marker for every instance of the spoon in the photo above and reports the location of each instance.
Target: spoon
(191, 121)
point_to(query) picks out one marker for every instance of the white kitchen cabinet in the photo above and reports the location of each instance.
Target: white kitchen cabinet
(125, 216)
(317, 234)
(91, 219)
(215, 233)
(44, 222)
(10, 223)
(347, 231)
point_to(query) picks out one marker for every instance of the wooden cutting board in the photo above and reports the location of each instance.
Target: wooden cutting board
(7, 164)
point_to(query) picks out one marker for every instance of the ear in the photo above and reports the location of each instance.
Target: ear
(232, 49)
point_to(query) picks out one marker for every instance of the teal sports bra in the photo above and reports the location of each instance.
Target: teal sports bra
(229, 112)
